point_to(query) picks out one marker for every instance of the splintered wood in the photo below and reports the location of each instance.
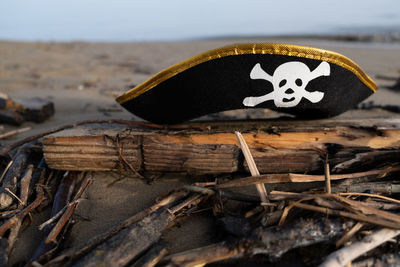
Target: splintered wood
(212, 148)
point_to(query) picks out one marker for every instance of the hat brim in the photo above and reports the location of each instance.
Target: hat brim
(220, 80)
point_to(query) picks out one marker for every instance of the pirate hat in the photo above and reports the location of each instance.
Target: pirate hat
(304, 81)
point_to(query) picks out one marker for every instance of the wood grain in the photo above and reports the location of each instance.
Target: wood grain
(277, 146)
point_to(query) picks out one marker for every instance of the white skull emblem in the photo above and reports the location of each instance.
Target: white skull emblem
(289, 81)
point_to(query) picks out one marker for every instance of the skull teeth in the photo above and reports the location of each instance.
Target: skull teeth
(288, 99)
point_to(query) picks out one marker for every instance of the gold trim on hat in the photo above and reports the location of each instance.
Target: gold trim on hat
(246, 49)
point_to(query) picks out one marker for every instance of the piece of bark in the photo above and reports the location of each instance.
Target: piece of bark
(369, 158)
(35, 109)
(276, 146)
(386, 188)
(272, 242)
(12, 176)
(25, 191)
(18, 110)
(278, 240)
(128, 244)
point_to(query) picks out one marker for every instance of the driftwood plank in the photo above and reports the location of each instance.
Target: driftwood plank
(94, 148)
(277, 146)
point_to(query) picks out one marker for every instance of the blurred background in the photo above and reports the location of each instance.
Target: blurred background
(156, 20)
(82, 54)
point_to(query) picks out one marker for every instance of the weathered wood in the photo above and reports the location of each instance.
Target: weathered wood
(12, 176)
(128, 244)
(277, 146)
(18, 110)
(61, 199)
(153, 256)
(67, 258)
(272, 242)
(35, 109)
(93, 148)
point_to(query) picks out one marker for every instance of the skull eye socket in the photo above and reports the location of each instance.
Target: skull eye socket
(298, 82)
(282, 83)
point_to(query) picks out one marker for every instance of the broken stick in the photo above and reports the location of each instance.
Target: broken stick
(74, 254)
(128, 244)
(303, 178)
(61, 199)
(252, 166)
(347, 254)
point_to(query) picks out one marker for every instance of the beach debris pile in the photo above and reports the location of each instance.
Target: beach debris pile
(353, 219)
(18, 110)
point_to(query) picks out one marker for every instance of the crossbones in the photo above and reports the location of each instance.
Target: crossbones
(289, 81)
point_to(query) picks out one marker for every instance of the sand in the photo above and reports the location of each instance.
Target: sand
(83, 80)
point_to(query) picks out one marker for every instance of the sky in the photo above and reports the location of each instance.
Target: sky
(160, 20)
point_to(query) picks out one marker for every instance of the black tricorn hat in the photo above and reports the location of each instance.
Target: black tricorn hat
(303, 81)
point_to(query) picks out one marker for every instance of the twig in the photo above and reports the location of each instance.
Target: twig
(349, 234)
(347, 254)
(252, 166)
(365, 209)
(301, 178)
(15, 196)
(9, 223)
(56, 216)
(193, 200)
(370, 195)
(24, 193)
(94, 242)
(327, 176)
(13, 175)
(25, 184)
(358, 217)
(52, 237)
(202, 256)
(285, 212)
(14, 132)
(386, 188)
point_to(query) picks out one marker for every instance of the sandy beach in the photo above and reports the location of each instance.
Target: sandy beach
(83, 80)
